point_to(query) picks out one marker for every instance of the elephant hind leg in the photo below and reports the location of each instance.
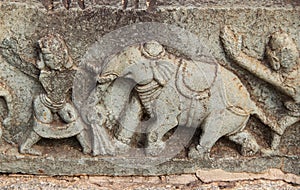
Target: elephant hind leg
(218, 124)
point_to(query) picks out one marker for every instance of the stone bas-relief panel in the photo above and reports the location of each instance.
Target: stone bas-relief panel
(151, 105)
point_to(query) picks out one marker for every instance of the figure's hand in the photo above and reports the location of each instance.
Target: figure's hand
(9, 43)
(232, 42)
(9, 51)
(8, 47)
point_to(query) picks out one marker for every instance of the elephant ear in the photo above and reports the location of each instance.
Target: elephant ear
(163, 71)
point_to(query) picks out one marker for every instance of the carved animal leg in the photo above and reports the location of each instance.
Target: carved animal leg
(247, 141)
(25, 147)
(81, 4)
(157, 129)
(155, 143)
(211, 132)
(218, 124)
(84, 144)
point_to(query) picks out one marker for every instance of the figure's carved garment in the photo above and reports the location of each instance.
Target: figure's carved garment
(57, 84)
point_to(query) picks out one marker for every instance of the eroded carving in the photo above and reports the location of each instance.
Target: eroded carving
(282, 72)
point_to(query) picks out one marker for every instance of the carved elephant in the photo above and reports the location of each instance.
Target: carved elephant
(179, 92)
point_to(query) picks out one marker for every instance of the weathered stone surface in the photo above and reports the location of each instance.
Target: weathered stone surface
(221, 175)
(251, 146)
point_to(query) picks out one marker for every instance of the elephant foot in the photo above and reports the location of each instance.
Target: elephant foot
(121, 148)
(270, 152)
(199, 152)
(249, 149)
(30, 151)
(155, 149)
(86, 150)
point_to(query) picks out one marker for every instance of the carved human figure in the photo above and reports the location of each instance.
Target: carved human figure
(283, 71)
(176, 91)
(54, 114)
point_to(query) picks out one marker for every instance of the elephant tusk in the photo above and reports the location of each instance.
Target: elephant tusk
(106, 79)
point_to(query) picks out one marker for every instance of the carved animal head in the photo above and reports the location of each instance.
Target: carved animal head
(282, 52)
(54, 52)
(137, 63)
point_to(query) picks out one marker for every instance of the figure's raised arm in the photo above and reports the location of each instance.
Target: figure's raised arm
(232, 46)
(8, 50)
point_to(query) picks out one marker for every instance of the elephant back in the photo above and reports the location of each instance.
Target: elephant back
(236, 94)
(195, 79)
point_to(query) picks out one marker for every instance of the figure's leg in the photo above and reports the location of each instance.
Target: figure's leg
(25, 147)
(83, 142)
(66, 3)
(283, 123)
(0, 128)
(42, 113)
(136, 4)
(48, 4)
(293, 108)
(151, 4)
(68, 113)
(81, 4)
(247, 141)
(124, 4)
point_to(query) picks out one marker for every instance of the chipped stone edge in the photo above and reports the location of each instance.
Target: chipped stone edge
(217, 175)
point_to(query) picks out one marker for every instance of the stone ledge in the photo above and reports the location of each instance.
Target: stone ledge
(208, 176)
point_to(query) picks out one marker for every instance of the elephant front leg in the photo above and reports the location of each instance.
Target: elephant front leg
(158, 127)
(155, 143)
